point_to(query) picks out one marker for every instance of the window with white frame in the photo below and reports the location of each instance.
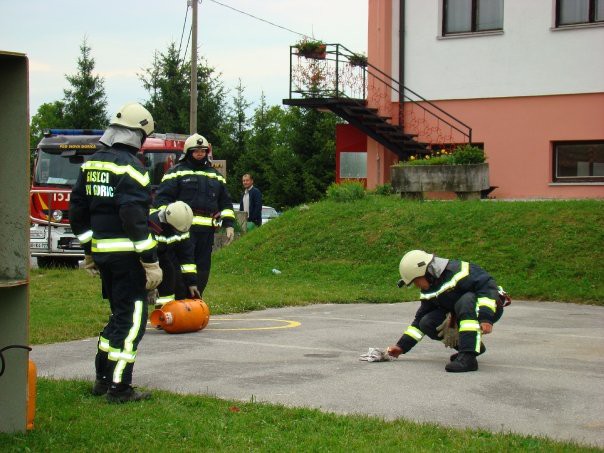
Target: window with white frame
(579, 161)
(472, 16)
(576, 12)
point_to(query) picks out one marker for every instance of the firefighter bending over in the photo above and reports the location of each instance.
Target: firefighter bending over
(109, 214)
(170, 226)
(460, 290)
(194, 181)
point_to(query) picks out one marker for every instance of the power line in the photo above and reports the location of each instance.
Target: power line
(259, 18)
(183, 32)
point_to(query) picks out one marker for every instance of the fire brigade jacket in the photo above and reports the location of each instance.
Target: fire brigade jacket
(170, 240)
(458, 278)
(201, 187)
(109, 205)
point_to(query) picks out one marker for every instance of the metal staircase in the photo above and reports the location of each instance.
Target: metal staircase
(337, 80)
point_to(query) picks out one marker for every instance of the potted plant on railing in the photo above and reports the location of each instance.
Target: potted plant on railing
(463, 171)
(311, 48)
(357, 59)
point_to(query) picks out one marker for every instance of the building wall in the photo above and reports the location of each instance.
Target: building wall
(518, 132)
(528, 58)
(519, 89)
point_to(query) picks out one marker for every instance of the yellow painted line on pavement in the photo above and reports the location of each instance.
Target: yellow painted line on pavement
(288, 324)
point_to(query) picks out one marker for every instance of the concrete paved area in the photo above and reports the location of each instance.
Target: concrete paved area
(543, 373)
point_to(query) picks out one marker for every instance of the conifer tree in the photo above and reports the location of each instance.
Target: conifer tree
(85, 103)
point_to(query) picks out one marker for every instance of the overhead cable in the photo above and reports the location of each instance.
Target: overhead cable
(183, 32)
(259, 18)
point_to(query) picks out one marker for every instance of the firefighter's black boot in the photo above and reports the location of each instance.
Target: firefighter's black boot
(119, 393)
(465, 361)
(483, 349)
(100, 387)
(202, 281)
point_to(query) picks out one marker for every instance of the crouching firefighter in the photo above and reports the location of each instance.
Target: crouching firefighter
(455, 290)
(194, 181)
(109, 214)
(170, 226)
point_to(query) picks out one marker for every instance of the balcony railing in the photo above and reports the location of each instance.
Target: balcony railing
(339, 73)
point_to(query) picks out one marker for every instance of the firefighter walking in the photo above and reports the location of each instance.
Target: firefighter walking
(194, 181)
(450, 288)
(109, 214)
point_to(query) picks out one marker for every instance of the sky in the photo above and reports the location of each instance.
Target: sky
(124, 35)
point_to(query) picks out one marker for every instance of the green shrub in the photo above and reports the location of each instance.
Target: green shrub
(468, 155)
(346, 191)
(385, 189)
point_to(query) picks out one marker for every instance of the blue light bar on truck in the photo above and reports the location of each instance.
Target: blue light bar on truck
(75, 132)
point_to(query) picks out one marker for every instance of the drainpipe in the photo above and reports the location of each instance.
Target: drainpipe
(401, 59)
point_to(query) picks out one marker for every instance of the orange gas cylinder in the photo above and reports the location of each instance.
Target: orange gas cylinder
(180, 316)
(31, 394)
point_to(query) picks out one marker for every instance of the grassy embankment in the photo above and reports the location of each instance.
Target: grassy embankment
(349, 252)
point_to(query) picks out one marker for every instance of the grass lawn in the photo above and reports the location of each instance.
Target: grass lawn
(68, 419)
(349, 252)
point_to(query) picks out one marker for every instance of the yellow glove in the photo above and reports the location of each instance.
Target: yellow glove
(153, 273)
(91, 266)
(230, 234)
(448, 333)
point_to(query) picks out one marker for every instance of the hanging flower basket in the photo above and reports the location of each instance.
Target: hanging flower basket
(312, 49)
(357, 59)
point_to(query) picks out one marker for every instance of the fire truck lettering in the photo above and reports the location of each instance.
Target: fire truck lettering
(60, 196)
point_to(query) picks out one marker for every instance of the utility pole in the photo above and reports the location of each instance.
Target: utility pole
(193, 103)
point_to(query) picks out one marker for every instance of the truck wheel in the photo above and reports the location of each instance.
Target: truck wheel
(47, 262)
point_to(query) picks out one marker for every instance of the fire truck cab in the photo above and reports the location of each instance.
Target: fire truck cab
(59, 156)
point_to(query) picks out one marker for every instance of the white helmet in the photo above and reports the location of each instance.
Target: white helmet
(134, 116)
(196, 141)
(179, 215)
(414, 264)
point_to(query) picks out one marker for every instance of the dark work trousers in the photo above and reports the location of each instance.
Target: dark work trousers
(172, 282)
(203, 241)
(465, 309)
(123, 279)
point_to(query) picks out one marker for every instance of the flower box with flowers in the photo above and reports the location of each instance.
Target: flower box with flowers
(463, 171)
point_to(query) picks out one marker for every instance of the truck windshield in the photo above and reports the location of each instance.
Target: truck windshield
(158, 163)
(54, 170)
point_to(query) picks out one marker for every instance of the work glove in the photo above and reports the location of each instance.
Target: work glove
(376, 355)
(230, 234)
(448, 332)
(91, 266)
(194, 292)
(152, 297)
(153, 273)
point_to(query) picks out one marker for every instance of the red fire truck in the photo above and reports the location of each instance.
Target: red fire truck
(58, 159)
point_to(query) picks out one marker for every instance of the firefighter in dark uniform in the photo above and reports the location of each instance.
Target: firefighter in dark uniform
(170, 227)
(194, 181)
(462, 289)
(109, 214)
